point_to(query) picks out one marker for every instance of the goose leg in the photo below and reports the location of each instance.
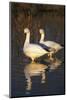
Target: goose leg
(50, 55)
(33, 60)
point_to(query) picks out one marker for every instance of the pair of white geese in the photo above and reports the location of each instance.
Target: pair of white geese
(34, 51)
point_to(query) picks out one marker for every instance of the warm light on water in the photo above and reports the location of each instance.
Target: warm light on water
(38, 69)
(34, 69)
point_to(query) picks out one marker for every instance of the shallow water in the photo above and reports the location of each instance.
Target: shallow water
(38, 79)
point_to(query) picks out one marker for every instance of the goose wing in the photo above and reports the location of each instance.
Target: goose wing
(53, 44)
(36, 48)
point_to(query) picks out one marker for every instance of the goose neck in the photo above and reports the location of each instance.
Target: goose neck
(27, 41)
(42, 38)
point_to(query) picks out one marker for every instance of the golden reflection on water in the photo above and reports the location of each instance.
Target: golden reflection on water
(37, 69)
(34, 69)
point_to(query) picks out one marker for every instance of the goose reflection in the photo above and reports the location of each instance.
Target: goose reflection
(34, 69)
(54, 64)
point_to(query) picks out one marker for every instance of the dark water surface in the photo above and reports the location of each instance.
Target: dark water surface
(54, 81)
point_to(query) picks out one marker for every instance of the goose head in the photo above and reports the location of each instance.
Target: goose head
(41, 31)
(26, 31)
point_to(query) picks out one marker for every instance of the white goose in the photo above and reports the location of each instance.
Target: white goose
(55, 46)
(32, 50)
